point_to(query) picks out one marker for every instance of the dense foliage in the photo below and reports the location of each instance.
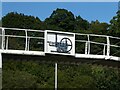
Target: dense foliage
(27, 74)
(34, 74)
(31, 74)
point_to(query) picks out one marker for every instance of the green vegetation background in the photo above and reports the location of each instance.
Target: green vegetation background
(34, 74)
(31, 74)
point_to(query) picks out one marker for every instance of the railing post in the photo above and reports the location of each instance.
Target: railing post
(3, 38)
(45, 41)
(28, 44)
(0, 71)
(108, 46)
(0, 60)
(55, 76)
(86, 47)
(104, 50)
(26, 40)
(7, 43)
(88, 44)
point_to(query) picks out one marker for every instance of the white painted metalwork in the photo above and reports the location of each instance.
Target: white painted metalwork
(0, 60)
(86, 47)
(108, 46)
(7, 43)
(56, 76)
(26, 41)
(60, 42)
(105, 52)
(88, 44)
(28, 44)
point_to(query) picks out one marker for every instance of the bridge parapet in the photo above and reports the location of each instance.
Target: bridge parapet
(34, 42)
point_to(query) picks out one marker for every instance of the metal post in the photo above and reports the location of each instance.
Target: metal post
(108, 46)
(7, 43)
(26, 40)
(0, 71)
(55, 76)
(104, 50)
(45, 41)
(86, 47)
(28, 44)
(88, 44)
(0, 60)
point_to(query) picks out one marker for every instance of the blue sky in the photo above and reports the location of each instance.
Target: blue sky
(91, 11)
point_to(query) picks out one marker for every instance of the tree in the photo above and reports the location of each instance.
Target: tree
(98, 28)
(81, 24)
(15, 20)
(61, 19)
(18, 79)
(114, 25)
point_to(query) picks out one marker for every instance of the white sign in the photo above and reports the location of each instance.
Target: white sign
(59, 42)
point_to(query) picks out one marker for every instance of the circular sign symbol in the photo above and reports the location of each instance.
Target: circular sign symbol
(65, 45)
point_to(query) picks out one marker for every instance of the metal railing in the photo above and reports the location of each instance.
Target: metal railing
(107, 45)
(33, 40)
(8, 38)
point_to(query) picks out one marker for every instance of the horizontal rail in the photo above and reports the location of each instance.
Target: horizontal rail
(96, 43)
(75, 33)
(22, 36)
(97, 57)
(81, 40)
(97, 35)
(114, 37)
(22, 29)
(23, 52)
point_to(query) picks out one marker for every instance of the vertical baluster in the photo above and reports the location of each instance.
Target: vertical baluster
(28, 44)
(88, 44)
(26, 40)
(86, 47)
(55, 76)
(108, 46)
(104, 50)
(7, 43)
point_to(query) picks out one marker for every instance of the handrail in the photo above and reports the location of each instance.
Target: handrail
(22, 29)
(98, 35)
(75, 33)
(88, 42)
(23, 36)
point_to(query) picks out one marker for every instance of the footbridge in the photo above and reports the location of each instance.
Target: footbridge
(42, 42)
(73, 46)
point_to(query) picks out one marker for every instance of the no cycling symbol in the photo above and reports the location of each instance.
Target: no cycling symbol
(64, 46)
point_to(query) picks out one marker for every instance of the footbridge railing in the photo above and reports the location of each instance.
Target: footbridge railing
(40, 42)
(99, 46)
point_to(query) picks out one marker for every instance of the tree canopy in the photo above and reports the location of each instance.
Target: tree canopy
(63, 20)
(114, 28)
(15, 20)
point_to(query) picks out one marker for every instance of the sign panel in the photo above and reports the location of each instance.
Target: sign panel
(59, 42)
